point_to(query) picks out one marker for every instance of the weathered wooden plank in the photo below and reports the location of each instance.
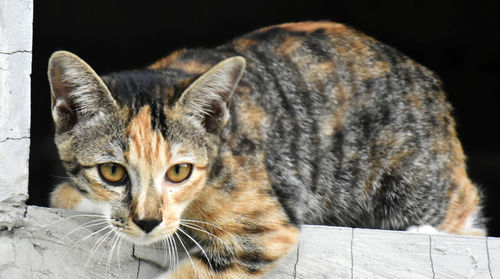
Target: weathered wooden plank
(324, 252)
(53, 243)
(493, 245)
(390, 254)
(148, 270)
(456, 256)
(156, 254)
(286, 267)
(58, 244)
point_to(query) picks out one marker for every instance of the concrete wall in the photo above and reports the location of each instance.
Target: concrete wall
(15, 68)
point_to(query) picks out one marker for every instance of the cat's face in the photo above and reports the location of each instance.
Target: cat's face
(144, 155)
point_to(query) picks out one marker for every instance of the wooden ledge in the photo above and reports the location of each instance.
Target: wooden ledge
(54, 243)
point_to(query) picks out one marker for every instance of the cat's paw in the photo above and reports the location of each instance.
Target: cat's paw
(425, 229)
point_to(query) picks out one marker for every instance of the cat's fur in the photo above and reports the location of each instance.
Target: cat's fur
(324, 125)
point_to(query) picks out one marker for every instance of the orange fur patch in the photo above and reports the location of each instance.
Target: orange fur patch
(464, 202)
(148, 149)
(65, 196)
(289, 45)
(311, 26)
(101, 192)
(255, 118)
(173, 61)
(320, 72)
(152, 207)
(166, 61)
(191, 66)
(149, 153)
(244, 43)
(334, 122)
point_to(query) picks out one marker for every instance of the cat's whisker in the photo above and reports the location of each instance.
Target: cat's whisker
(167, 249)
(81, 241)
(58, 176)
(176, 252)
(110, 256)
(187, 252)
(86, 225)
(171, 254)
(98, 244)
(118, 251)
(201, 222)
(199, 246)
(69, 217)
(200, 229)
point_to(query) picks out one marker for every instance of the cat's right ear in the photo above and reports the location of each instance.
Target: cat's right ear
(77, 91)
(208, 97)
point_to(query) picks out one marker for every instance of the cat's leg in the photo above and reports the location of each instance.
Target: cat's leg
(68, 197)
(464, 213)
(461, 222)
(246, 257)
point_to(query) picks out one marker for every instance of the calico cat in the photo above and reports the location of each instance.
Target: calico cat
(237, 146)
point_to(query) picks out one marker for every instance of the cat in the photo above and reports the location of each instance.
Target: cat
(239, 145)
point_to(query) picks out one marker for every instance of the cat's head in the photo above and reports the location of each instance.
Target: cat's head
(141, 143)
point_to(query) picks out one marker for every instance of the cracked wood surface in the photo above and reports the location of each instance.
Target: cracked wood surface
(54, 243)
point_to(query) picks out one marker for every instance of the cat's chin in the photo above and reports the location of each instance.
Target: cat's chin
(144, 240)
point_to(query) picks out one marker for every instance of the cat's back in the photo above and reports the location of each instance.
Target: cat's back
(352, 132)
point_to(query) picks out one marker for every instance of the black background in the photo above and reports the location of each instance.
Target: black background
(459, 41)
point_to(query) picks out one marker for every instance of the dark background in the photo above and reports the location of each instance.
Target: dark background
(459, 41)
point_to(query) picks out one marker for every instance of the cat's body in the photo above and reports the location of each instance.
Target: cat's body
(326, 126)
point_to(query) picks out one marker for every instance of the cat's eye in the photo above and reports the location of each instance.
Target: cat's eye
(179, 173)
(113, 174)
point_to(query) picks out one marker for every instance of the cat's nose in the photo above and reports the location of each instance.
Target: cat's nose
(147, 225)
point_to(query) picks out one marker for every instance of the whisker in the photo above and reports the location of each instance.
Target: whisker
(194, 227)
(201, 222)
(69, 217)
(79, 242)
(87, 225)
(58, 176)
(118, 251)
(174, 244)
(187, 252)
(197, 244)
(165, 247)
(110, 257)
(96, 246)
(170, 253)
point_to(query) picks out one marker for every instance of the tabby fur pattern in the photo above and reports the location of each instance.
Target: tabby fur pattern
(298, 123)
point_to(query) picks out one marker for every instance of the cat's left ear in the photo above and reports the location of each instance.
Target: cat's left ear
(208, 97)
(77, 91)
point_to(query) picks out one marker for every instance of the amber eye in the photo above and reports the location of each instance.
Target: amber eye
(179, 172)
(113, 174)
